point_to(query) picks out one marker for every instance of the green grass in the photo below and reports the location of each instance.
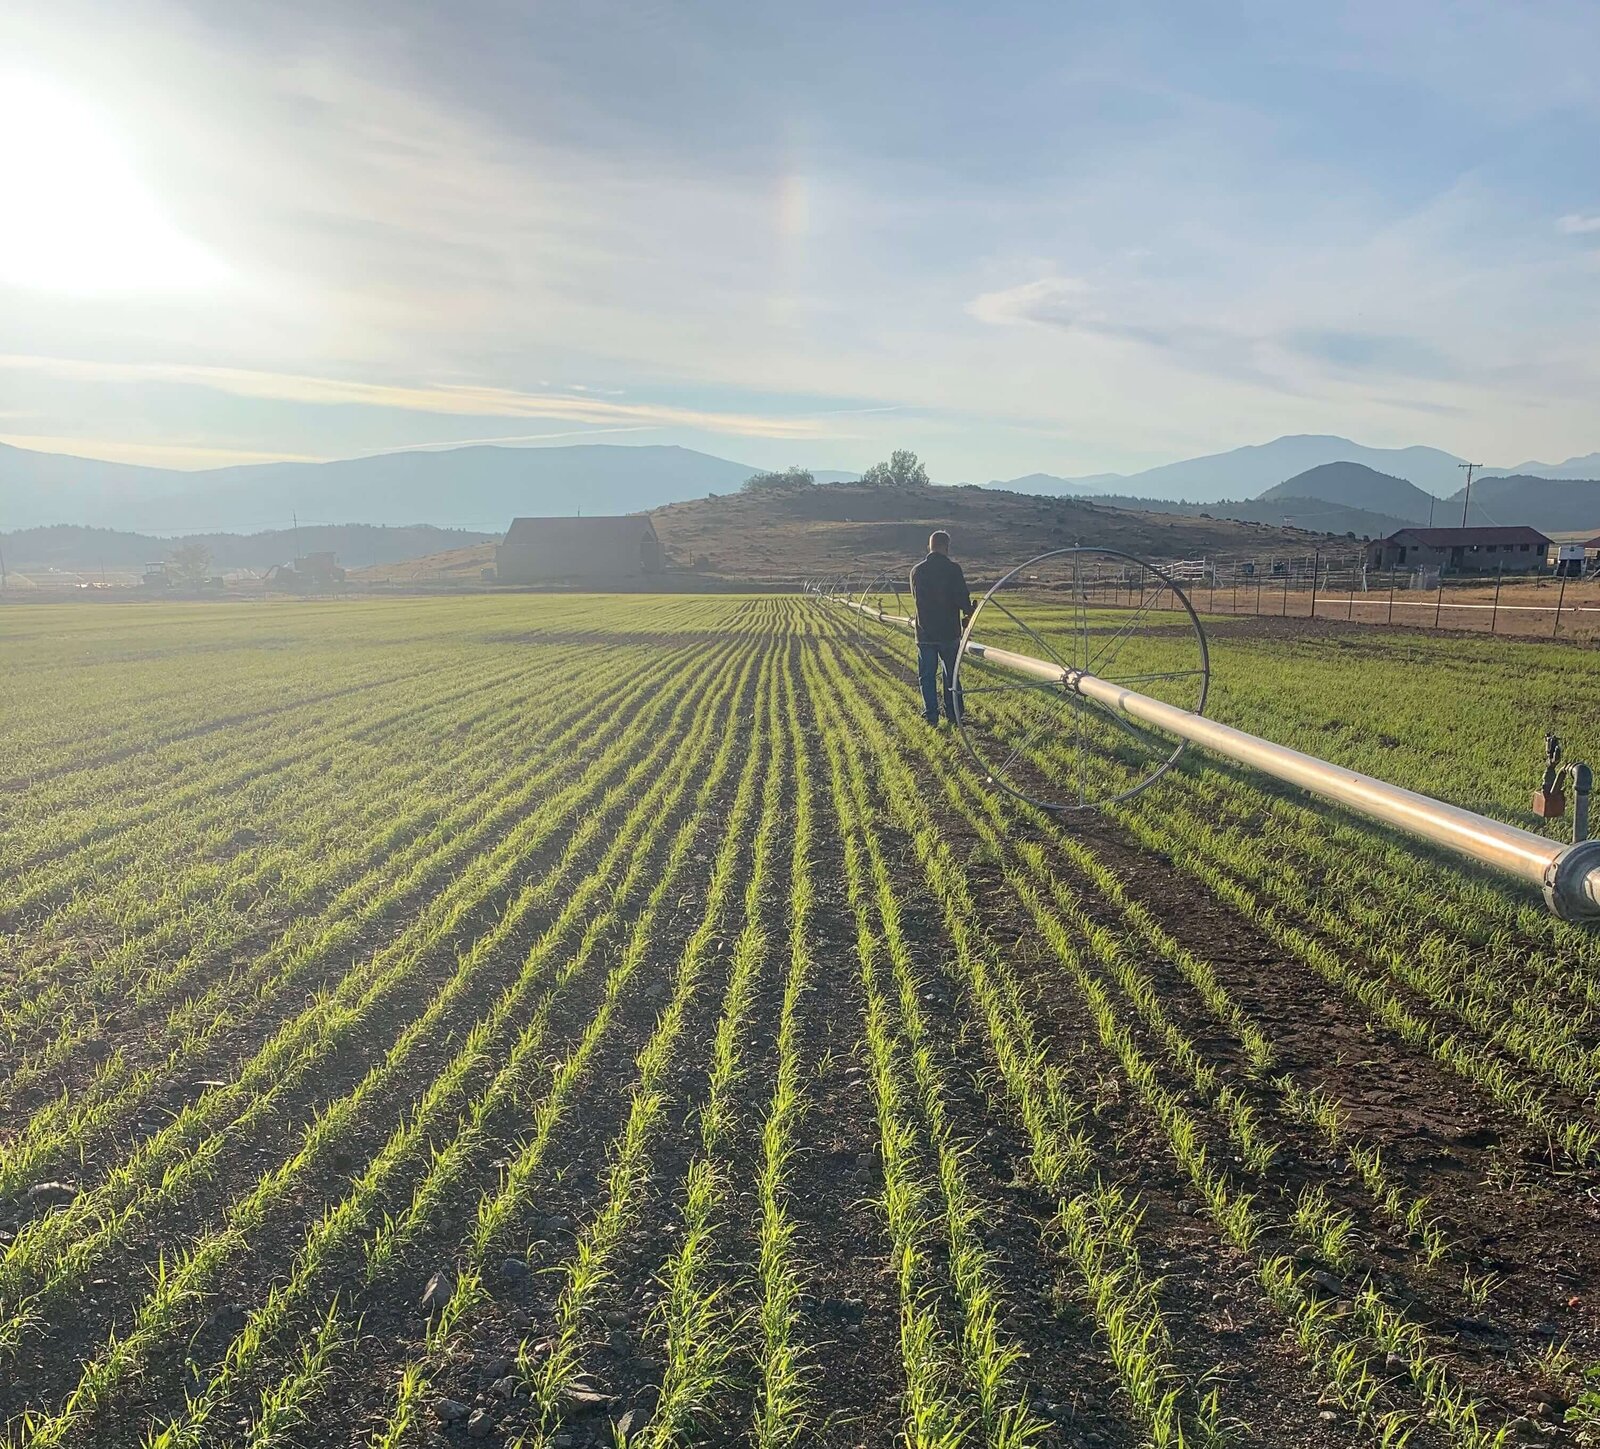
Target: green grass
(345, 942)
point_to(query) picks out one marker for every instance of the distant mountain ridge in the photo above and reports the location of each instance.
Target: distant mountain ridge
(1555, 505)
(75, 548)
(1246, 472)
(476, 487)
(1348, 497)
(483, 487)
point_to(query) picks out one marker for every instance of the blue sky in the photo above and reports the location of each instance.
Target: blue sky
(1014, 237)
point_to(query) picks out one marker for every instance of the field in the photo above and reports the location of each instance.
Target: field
(583, 1021)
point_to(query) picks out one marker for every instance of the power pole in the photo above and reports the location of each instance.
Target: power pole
(1467, 501)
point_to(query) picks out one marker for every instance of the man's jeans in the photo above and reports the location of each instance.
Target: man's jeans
(930, 658)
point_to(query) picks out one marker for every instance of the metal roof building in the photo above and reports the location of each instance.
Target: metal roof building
(549, 550)
(1517, 549)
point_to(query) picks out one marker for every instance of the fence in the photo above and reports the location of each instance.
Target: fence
(1345, 590)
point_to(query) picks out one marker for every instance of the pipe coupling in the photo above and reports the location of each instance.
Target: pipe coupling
(1572, 882)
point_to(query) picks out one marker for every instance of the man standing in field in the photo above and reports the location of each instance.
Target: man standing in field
(943, 608)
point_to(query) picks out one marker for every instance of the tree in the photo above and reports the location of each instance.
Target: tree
(790, 478)
(190, 564)
(904, 469)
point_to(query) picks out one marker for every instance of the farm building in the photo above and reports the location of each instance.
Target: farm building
(542, 550)
(1461, 550)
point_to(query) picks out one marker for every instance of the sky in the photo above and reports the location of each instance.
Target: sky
(1014, 237)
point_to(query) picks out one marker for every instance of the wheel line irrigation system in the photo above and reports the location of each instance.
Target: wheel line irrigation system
(1567, 873)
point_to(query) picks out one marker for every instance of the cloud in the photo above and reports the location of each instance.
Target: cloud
(1572, 224)
(1379, 352)
(513, 440)
(1051, 301)
(460, 400)
(1220, 346)
(150, 455)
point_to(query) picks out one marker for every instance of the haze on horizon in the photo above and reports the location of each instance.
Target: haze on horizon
(1026, 239)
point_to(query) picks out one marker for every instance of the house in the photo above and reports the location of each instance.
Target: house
(550, 550)
(1461, 550)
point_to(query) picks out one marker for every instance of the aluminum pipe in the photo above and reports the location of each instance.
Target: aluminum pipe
(1569, 875)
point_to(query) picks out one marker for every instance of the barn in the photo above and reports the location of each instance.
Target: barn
(551, 550)
(1462, 550)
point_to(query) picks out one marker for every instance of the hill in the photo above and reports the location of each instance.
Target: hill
(480, 487)
(1582, 469)
(1555, 505)
(1354, 485)
(1280, 511)
(853, 528)
(68, 548)
(1244, 472)
(1347, 497)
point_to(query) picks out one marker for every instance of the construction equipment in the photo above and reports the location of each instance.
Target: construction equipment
(313, 573)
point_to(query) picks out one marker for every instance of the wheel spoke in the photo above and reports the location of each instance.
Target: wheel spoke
(1117, 640)
(1146, 678)
(1033, 634)
(1047, 719)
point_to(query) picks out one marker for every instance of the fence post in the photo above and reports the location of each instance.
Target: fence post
(1316, 568)
(1556, 627)
(1438, 605)
(1494, 613)
(1258, 594)
(1390, 619)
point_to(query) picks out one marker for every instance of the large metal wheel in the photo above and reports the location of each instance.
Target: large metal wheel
(885, 597)
(1089, 611)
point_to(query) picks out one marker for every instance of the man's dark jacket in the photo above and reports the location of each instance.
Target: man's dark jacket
(940, 589)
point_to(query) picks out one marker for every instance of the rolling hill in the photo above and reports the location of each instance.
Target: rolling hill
(861, 529)
(1283, 511)
(1555, 505)
(1354, 485)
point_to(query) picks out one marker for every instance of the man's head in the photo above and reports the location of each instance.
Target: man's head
(939, 541)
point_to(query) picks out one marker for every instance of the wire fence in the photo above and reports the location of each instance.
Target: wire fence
(1347, 591)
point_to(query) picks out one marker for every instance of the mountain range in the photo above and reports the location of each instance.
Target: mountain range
(72, 548)
(1325, 483)
(1350, 497)
(477, 487)
(1245, 472)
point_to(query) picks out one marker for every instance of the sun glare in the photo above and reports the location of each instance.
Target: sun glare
(74, 214)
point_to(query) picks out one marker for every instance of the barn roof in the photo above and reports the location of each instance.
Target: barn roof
(630, 525)
(1470, 537)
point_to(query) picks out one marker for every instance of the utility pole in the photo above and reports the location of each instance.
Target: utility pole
(1467, 501)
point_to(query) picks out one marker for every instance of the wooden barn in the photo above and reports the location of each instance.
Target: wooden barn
(551, 550)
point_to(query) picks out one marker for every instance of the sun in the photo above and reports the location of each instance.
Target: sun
(75, 216)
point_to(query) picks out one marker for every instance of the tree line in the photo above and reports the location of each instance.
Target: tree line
(901, 469)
